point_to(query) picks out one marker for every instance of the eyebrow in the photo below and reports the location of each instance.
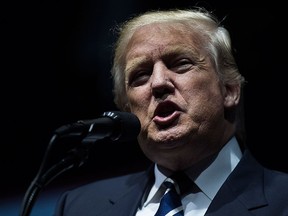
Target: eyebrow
(135, 62)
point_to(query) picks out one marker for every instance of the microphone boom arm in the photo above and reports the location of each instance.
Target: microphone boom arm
(74, 159)
(113, 125)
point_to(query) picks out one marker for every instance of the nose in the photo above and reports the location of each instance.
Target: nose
(161, 81)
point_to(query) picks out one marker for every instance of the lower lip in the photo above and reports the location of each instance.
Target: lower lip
(163, 121)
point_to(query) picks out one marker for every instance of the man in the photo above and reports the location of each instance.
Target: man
(175, 71)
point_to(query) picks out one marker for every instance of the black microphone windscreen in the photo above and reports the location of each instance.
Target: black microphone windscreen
(127, 127)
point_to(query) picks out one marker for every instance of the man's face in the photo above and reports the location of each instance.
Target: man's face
(174, 90)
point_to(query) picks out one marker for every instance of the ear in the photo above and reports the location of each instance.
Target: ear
(232, 95)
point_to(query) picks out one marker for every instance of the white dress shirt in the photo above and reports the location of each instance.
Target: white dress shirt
(209, 181)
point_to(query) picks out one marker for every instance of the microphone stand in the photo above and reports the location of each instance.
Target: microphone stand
(73, 159)
(77, 138)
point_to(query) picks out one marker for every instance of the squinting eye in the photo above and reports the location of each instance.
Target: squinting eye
(181, 66)
(139, 78)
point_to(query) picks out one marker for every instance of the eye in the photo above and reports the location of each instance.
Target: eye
(181, 65)
(139, 78)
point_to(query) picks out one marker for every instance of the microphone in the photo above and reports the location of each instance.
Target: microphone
(115, 125)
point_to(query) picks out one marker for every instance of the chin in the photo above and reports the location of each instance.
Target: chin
(174, 134)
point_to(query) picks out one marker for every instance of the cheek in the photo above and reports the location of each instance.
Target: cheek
(138, 98)
(202, 96)
(205, 86)
(139, 103)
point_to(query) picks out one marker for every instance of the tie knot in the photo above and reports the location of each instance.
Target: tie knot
(170, 203)
(169, 184)
(183, 181)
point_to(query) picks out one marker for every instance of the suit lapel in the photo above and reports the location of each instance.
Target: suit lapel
(127, 201)
(242, 191)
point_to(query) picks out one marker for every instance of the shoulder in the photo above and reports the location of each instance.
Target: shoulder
(81, 200)
(277, 181)
(273, 183)
(251, 167)
(109, 185)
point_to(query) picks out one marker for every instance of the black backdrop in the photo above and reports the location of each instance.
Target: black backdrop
(56, 57)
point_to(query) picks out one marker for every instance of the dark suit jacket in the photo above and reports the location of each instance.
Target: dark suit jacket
(250, 189)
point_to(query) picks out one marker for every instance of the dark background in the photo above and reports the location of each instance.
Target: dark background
(56, 57)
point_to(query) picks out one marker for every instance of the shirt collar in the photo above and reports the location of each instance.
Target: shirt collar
(159, 179)
(210, 180)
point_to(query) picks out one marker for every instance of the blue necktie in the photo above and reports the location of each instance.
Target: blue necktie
(170, 204)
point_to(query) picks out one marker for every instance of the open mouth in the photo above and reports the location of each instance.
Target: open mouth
(166, 113)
